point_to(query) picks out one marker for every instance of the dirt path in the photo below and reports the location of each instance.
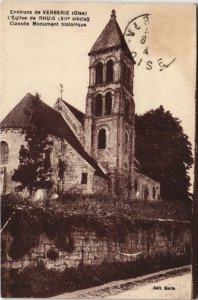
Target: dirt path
(178, 287)
(117, 289)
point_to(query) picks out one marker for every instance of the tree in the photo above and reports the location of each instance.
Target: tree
(164, 152)
(34, 170)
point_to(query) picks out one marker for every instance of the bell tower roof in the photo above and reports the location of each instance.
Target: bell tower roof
(110, 38)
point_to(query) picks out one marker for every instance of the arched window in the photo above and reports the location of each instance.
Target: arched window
(98, 105)
(154, 193)
(126, 141)
(124, 73)
(136, 185)
(99, 73)
(4, 153)
(102, 139)
(109, 71)
(108, 103)
(146, 193)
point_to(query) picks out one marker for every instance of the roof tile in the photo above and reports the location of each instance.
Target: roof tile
(80, 116)
(21, 117)
(111, 37)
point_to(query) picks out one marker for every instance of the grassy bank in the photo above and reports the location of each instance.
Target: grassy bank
(97, 205)
(112, 218)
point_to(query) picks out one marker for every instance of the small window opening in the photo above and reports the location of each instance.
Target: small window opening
(102, 139)
(98, 105)
(109, 72)
(84, 178)
(154, 193)
(4, 152)
(136, 185)
(146, 193)
(108, 103)
(99, 73)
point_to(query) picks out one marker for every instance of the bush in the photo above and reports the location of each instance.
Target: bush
(25, 227)
(112, 218)
(37, 281)
(101, 205)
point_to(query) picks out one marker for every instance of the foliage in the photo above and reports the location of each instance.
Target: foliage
(103, 206)
(24, 228)
(10, 203)
(107, 217)
(37, 281)
(164, 152)
(34, 170)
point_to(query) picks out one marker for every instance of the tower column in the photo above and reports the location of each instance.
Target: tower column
(109, 131)
(104, 73)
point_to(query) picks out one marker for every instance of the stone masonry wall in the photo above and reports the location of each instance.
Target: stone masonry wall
(89, 249)
(75, 165)
(14, 138)
(144, 182)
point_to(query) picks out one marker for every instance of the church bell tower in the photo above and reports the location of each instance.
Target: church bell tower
(110, 108)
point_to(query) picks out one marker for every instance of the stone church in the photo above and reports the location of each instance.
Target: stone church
(98, 146)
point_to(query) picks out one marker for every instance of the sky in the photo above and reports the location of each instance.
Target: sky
(38, 59)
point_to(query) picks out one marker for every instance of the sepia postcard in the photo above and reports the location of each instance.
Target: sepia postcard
(97, 150)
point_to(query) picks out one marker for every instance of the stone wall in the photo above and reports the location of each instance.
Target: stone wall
(172, 238)
(14, 138)
(75, 165)
(100, 185)
(142, 183)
